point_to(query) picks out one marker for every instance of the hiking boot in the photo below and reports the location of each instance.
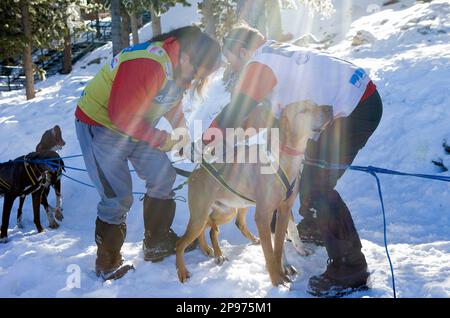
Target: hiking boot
(343, 276)
(157, 251)
(109, 239)
(159, 239)
(308, 232)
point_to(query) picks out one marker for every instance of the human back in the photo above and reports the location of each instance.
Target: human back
(306, 74)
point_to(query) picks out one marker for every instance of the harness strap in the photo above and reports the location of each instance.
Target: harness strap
(216, 175)
(289, 187)
(290, 151)
(4, 185)
(30, 172)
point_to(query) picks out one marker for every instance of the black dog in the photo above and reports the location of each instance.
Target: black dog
(29, 174)
(51, 140)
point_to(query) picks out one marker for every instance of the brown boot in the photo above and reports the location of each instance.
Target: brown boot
(109, 238)
(343, 276)
(159, 239)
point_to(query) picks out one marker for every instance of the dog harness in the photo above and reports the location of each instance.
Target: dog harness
(4, 185)
(35, 180)
(281, 174)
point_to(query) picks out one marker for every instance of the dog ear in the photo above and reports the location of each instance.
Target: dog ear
(58, 134)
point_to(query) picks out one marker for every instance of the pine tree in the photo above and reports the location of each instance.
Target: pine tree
(324, 7)
(29, 25)
(218, 16)
(136, 8)
(265, 15)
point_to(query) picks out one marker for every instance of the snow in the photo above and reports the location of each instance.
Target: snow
(177, 16)
(408, 60)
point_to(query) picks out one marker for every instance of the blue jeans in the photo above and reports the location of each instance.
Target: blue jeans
(106, 155)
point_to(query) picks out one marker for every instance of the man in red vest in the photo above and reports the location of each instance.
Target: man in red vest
(115, 123)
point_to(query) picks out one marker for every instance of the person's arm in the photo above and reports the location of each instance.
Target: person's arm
(175, 116)
(135, 85)
(254, 85)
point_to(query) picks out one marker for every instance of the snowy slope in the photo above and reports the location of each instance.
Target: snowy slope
(409, 62)
(334, 24)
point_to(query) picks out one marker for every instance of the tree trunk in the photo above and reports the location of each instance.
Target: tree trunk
(97, 26)
(27, 60)
(67, 59)
(210, 19)
(140, 21)
(115, 26)
(156, 23)
(125, 27)
(134, 28)
(273, 15)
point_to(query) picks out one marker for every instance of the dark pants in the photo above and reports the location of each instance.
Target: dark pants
(339, 143)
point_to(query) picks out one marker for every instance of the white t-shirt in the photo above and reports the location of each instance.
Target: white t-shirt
(305, 74)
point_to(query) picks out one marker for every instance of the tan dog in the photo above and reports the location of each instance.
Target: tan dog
(211, 204)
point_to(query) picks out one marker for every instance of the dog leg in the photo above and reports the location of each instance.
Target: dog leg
(36, 196)
(214, 235)
(199, 208)
(19, 212)
(8, 202)
(242, 226)
(193, 230)
(280, 233)
(208, 251)
(293, 236)
(262, 218)
(49, 210)
(58, 212)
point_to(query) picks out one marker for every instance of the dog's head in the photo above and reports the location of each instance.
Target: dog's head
(51, 140)
(301, 120)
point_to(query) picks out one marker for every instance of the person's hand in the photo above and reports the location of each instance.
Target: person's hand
(172, 142)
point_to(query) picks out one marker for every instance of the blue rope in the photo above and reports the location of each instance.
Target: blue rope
(91, 186)
(49, 162)
(385, 233)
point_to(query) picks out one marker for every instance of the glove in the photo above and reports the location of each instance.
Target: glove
(170, 143)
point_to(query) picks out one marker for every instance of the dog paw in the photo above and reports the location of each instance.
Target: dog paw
(305, 251)
(220, 260)
(4, 240)
(208, 251)
(256, 241)
(183, 275)
(19, 225)
(302, 249)
(53, 225)
(290, 270)
(280, 279)
(58, 215)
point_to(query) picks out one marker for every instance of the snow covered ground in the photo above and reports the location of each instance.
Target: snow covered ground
(409, 60)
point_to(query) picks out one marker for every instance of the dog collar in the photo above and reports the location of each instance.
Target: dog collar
(290, 152)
